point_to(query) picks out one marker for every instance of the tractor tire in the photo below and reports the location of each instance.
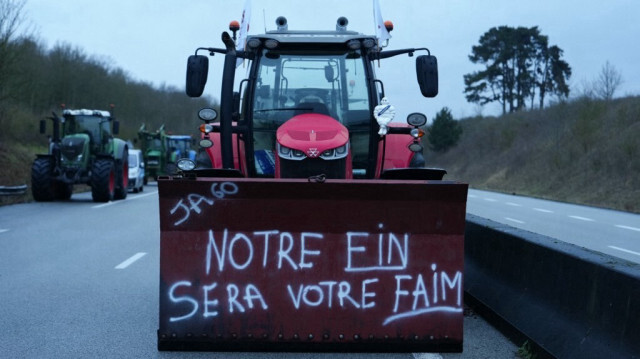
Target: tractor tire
(103, 180)
(42, 184)
(63, 190)
(122, 179)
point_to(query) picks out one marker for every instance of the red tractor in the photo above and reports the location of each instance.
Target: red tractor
(318, 225)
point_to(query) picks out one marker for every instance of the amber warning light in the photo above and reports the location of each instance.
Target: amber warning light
(388, 25)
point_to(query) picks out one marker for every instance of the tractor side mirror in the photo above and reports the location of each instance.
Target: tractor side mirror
(329, 75)
(116, 127)
(43, 126)
(427, 71)
(197, 72)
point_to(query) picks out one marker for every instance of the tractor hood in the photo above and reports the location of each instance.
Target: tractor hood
(312, 134)
(73, 147)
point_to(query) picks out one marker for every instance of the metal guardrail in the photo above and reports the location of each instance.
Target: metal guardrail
(13, 190)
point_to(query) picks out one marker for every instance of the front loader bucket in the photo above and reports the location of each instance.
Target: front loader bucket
(293, 265)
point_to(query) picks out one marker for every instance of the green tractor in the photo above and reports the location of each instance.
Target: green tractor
(161, 151)
(82, 150)
(153, 151)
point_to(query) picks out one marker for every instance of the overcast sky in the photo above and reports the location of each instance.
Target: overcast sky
(151, 39)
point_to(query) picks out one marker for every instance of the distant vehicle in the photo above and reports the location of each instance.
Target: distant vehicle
(82, 151)
(136, 171)
(161, 151)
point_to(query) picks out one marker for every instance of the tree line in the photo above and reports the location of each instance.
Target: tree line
(34, 81)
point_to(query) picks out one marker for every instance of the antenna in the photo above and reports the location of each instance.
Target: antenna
(264, 20)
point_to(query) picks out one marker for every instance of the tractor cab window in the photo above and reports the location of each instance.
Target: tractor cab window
(291, 82)
(93, 126)
(155, 144)
(178, 148)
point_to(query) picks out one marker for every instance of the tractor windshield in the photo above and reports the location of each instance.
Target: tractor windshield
(153, 143)
(93, 126)
(182, 145)
(295, 82)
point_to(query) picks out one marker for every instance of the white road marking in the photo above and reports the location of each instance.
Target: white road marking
(103, 205)
(514, 204)
(624, 250)
(472, 196)
(426, 356)
(627, 227)
(142, 195)
(130, 261)
(4, 230)
(582, 218)
(490, 200)
(514, 220)
(128, 198)
(543, 210)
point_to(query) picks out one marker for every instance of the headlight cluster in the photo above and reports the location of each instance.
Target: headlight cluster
(290, 154)
(65, 159)
(297, 155)
(336, 153)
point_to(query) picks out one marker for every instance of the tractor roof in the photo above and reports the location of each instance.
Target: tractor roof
(85, 112)
(291, 36)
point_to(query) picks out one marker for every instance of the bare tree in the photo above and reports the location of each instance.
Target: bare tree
(607, 82)
(10, 20)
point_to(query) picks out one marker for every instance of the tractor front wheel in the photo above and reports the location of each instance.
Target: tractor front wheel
(103, 180)
(122, 178)
(42, 186)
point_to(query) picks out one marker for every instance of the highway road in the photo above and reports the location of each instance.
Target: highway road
(80, 279)
(606, 231)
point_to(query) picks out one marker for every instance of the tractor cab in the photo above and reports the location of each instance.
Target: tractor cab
(179, 146)
(308, 107)
(96, 125)
(296, 88)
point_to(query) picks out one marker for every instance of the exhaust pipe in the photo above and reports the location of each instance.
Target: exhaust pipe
(281, 22)
(341, 24)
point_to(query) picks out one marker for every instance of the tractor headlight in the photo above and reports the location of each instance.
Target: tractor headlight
(289, 153)
(417, 133)
(206, 143)
(185, 164)
(78, 158)
(336, 153)
(328, 153)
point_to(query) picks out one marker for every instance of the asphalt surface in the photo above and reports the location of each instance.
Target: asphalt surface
(80, 279)
(602, 230)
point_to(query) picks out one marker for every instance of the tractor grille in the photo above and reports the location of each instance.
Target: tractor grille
(71, 148)
(153, 162)
(313, 167)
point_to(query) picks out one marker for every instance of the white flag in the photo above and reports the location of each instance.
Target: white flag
(244, 29)
(381, 31)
